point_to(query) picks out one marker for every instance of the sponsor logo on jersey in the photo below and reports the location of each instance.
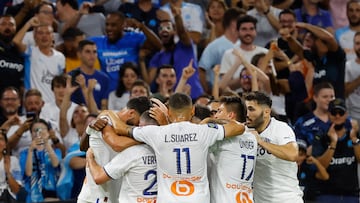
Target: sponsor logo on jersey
(182, 188)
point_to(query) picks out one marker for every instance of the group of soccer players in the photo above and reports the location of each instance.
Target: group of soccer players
(176, 162)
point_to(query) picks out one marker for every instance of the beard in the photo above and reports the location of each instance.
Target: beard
(257, 122)
(6, 38)
(357, 52)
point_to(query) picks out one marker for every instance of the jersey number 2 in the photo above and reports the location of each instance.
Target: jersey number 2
(149, 190)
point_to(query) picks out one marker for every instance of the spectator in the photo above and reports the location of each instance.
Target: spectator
(51, 111)
(192, 17)
(118, 47)
(72, 37)
(40, 164)
(177, 54)
(143, 11)
(45, 12)
(10, 102)
(140, 89)
(312, 14)
(352, 81)
(214, 51)
(345, 34)
(92, 24)
(337, 9)
(309, 169)
(328, 58)
(87, 52)
(267, 21)
(315, 122)
(214, 20)
(128, 74)
(246, 26)
(339, 143)
(12, 63)
(44, 62)
(10, 178)
(166, 81)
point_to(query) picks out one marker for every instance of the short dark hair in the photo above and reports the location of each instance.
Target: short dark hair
(118, 14)
(202, 111)
(323, 85)
(287, 11)
(148, 119)
(350, 2)
(245, 19)
(139, 104)
(83, 43)
(230, 15)
(260, 97)
(71, 33)
(72, 3)
(235, 104)
(59, 80)
(39, 120)
(178, 101)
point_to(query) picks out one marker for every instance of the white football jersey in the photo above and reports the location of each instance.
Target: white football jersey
(233, 169)
(275, 179)
(90, 191)
(181, 150)
(136, 166)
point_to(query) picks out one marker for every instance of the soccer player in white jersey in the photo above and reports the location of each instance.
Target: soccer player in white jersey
(104, 150)
(181, 149)
(232, 172)
(136, 166)
(275, 177)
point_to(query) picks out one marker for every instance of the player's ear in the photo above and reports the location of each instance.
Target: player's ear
(192, 111)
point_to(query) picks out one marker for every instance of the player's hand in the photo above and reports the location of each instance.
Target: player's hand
(98, 124)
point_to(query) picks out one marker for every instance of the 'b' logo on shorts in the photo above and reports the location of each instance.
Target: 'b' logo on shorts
(182, 188)
(243, 197)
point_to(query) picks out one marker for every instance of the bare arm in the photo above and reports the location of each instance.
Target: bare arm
(13, 185)
(326, 157)
(215, 88)
(77, 163)
(97, 172)
(321, 172)
(187, 72)
(180, 29)
(116, 142)
(226, 80)
(351, 86)
(15, 138)
(29, 160)
(288, 152)
(321, 33)
(17, 40)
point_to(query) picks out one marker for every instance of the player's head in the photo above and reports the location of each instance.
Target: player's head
(146, 119)
(180, 107)
(258, 107)
(231, 107)
(134, 108)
